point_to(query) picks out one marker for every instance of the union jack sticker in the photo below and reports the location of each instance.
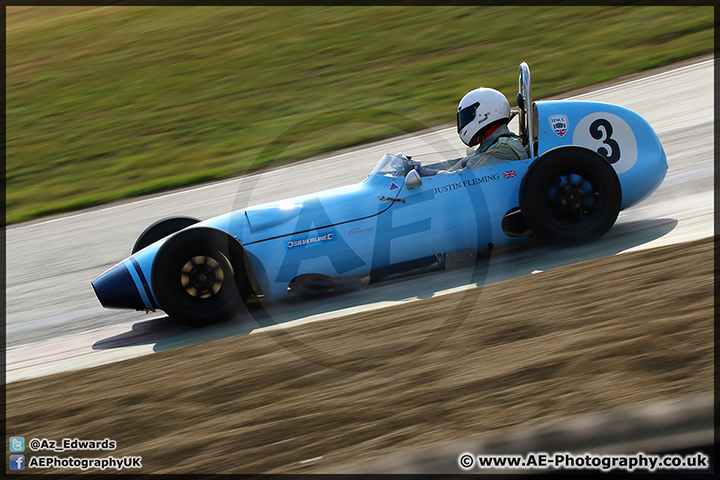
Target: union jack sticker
(510, 174)
(393, 186)
(559, 124)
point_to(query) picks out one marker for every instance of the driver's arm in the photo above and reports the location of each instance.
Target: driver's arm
(500, 152)
(459, 164)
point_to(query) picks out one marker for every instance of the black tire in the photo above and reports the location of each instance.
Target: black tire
(161, 229)
(199, 277)
(570, 195)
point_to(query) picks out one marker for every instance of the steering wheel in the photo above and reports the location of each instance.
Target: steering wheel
(403, 164)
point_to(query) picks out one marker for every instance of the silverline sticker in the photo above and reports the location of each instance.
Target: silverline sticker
(307, 241)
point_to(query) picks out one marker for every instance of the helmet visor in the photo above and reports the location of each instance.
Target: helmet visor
(466, 115)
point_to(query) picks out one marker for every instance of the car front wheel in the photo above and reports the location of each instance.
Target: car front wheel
(198, 277)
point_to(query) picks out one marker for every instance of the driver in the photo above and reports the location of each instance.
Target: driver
(482, 118)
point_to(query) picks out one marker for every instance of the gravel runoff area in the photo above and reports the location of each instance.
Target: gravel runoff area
(617, 332)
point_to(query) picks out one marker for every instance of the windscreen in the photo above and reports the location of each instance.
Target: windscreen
(389, 165)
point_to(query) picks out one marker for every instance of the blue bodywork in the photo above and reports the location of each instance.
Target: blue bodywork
(352, 231)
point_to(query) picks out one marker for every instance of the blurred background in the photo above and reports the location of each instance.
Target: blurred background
(105, 103)
(111, 102)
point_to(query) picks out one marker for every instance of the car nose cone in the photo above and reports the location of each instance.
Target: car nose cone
(115, 288)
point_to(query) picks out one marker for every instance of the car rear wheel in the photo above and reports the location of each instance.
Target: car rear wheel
(570, 195)
(199, 277)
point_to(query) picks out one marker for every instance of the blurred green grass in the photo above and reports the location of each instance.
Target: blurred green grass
(104, 103)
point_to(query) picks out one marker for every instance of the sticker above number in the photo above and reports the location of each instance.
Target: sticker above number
(559, 124)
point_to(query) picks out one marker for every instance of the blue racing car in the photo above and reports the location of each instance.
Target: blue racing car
(587, 161)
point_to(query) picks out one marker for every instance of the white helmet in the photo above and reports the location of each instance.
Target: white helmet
(478, 109)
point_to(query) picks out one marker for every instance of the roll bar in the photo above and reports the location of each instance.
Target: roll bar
(526, 106)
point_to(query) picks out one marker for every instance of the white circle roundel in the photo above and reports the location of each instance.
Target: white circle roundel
(610, 136)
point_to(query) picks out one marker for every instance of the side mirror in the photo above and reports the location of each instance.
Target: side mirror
(412, 179)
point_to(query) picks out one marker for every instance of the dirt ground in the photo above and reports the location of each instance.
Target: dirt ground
(604, 334)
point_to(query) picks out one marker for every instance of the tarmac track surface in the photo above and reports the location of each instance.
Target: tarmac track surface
(55, 323)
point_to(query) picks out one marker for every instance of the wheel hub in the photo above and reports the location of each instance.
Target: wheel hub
(201, 277)
(571, 197)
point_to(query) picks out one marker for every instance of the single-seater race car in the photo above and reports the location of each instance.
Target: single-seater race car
(587, 161)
